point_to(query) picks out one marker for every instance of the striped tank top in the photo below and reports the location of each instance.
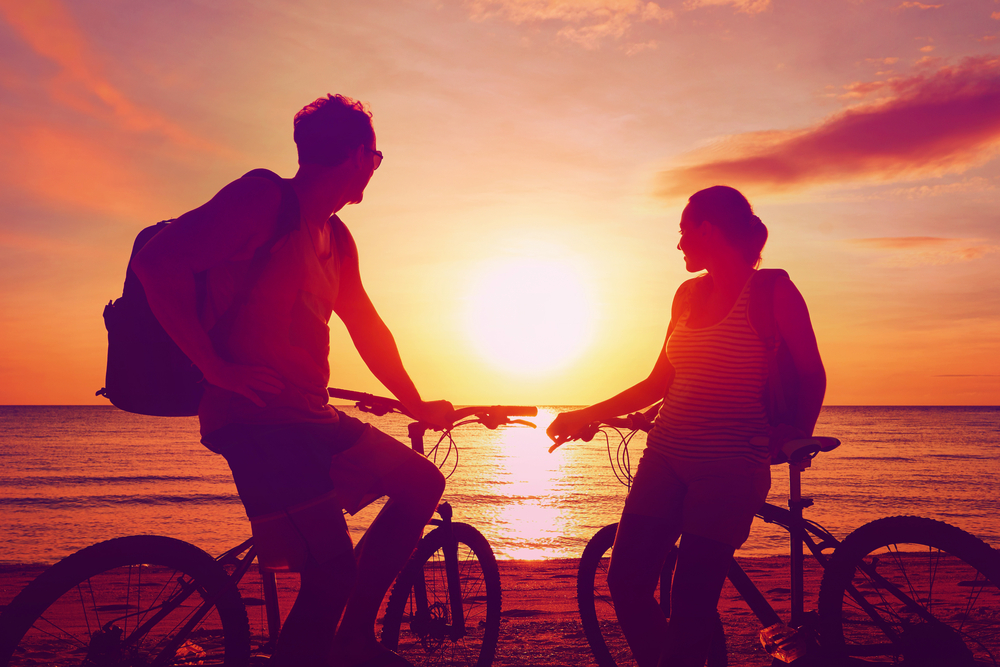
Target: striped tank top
(715, 403)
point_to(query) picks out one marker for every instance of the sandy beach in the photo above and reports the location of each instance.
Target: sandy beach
(540, 622)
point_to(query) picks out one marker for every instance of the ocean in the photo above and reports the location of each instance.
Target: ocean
(71, 476)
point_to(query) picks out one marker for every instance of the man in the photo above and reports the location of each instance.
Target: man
(262, 342)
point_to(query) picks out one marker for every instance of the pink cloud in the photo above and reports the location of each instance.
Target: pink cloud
(587, 22)
(911, 251)
(590, 22)
(50, 30)
(931, 124)
(918, 5)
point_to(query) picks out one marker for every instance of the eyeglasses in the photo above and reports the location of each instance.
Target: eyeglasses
(376, 157)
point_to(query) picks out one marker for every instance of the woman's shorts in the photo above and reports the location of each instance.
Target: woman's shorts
(716, 498)
(297, 480)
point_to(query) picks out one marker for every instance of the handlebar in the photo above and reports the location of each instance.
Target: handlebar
(637, 421)
(490, 416)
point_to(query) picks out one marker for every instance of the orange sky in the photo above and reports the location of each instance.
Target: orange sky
(564, 134)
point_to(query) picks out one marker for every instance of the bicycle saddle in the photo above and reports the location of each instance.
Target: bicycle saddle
(799, 449)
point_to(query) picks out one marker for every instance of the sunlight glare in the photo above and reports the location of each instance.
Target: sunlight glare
(530, 316)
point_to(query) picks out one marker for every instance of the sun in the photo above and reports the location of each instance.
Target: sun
(530, 316)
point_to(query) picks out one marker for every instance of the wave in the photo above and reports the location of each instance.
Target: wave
(118, 479)
(84, 502)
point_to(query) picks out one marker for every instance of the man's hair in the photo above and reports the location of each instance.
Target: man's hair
(327, 130)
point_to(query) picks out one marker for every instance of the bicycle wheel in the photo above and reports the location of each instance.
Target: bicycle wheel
(421, 628)
(913, 591)
(597, 611)
(141, 600)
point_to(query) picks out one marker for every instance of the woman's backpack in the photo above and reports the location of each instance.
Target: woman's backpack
(147, 373)
(781, 393)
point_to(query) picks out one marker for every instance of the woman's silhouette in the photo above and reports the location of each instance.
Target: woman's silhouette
(700, 477)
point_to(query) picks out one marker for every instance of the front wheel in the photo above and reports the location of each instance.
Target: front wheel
(422, 620)
(129, 602)
(912, 591)
(597, 609)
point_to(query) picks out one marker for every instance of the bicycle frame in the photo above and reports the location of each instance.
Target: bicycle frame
(241, 565)
(801, 532)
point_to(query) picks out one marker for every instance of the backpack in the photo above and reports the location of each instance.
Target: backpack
(781, 391)
(147, 373)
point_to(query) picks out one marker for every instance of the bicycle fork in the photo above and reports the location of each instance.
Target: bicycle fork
(455, 629)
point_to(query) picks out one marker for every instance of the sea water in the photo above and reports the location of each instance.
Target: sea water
(72, 476)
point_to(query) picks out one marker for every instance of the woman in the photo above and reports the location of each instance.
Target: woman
(700, 477)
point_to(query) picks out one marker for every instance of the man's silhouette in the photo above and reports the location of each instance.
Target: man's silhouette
(262, 342)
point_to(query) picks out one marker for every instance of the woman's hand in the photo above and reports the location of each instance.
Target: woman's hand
(566, 425)
(781, 434)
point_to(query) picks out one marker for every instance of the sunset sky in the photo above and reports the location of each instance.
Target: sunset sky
(538, 154)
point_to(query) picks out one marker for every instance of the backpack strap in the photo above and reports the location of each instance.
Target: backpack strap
(288, 220)
(760, 310)
(782, 387)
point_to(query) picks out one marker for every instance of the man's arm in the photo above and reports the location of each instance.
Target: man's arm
(372, 337)
(239, 219)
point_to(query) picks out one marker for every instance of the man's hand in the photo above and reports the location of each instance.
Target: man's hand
(246, 380)
(435, 413)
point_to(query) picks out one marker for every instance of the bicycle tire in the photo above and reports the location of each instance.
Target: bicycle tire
(953, 575)
(597, 611)
(86, 609)
(423, 637)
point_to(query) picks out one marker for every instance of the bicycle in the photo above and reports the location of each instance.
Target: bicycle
(898, 590)
(153, 600)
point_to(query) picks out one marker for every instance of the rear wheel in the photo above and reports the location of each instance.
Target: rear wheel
(141, 600)
(913, 591)
(420, 618)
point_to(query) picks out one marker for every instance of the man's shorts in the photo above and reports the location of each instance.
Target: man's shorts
(296, 481)
(716, 499)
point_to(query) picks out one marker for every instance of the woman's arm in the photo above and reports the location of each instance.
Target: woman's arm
(792, 318)
(636, 397)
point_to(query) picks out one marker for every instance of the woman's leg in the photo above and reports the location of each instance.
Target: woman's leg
(702, 565)
(640, 550)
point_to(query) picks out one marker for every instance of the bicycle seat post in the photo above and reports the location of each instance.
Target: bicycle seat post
(796, 561)
(416, 432)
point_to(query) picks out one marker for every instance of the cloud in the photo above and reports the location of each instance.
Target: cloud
(49, 29)
(912, 251)
(918, 5)
(588, 22)
(927, 125)
(745, 6)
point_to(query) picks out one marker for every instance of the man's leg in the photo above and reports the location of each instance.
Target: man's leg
(307, 633)
(414, 488)
(641, 547)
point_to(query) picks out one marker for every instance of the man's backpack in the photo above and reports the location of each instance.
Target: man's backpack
(147, 373)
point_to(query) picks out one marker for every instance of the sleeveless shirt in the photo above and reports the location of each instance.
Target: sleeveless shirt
(283, 326)
(715, 403)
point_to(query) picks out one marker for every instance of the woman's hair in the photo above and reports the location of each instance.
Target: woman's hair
(729, 210)
(328, 129)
